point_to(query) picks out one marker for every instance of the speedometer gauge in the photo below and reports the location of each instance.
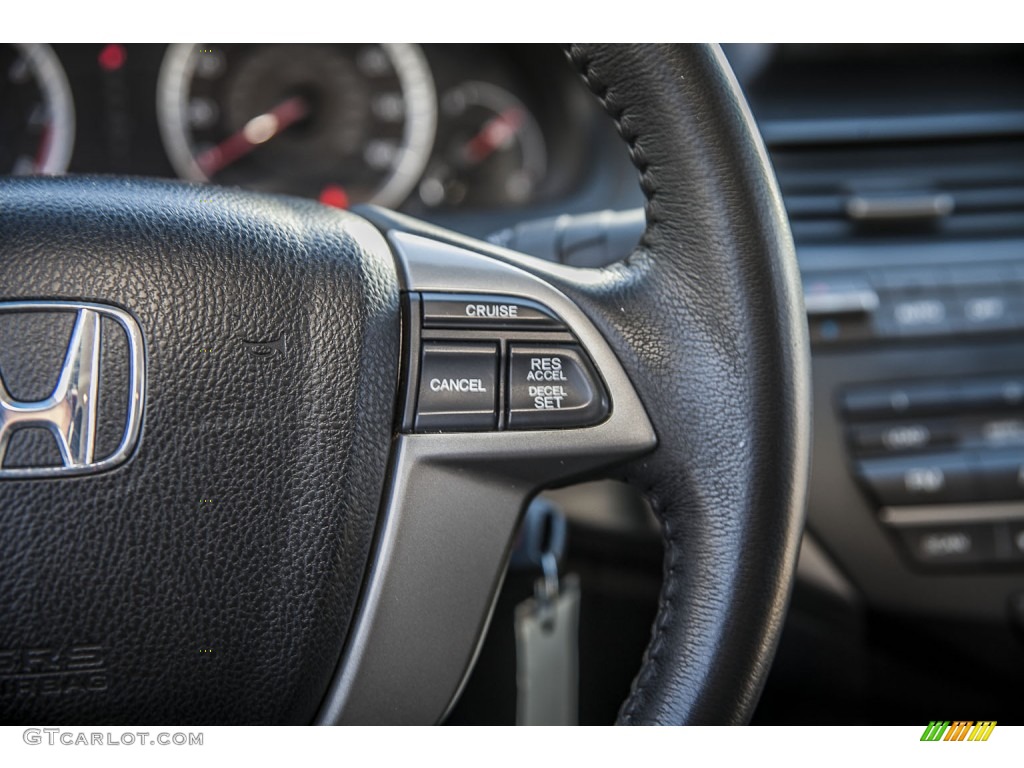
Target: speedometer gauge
(490, 150)
(343, 123)
(37, 117)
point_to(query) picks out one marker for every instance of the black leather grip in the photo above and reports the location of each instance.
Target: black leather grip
(708, 319)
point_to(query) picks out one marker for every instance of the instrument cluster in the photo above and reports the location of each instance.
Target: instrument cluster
(428, 129)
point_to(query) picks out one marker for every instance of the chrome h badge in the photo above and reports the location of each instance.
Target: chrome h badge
(71, 409)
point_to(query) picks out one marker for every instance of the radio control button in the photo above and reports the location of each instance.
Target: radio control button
(933, 479)
(953, 544)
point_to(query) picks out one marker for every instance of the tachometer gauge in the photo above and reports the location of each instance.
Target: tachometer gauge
(342, 123)
(37, 116)
(490, 150)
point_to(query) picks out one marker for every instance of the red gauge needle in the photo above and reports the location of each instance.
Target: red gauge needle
(496, 133)
(43, 150)
(258, 130)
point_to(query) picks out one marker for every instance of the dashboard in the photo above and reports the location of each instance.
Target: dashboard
(902, 171)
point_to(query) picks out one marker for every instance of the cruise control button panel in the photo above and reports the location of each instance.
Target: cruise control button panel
(552, 387)
(487, 362)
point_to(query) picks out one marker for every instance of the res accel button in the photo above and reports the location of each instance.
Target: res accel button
(551, 387)
(458, 388)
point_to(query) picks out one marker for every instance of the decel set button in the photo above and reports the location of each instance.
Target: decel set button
(551, 387)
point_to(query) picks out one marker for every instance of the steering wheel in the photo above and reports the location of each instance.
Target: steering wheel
(288, 447)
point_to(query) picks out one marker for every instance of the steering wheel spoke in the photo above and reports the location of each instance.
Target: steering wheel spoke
(456, 496)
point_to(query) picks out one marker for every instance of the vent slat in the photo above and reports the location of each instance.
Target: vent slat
(974, 225)
(988, 199)
(833, 130)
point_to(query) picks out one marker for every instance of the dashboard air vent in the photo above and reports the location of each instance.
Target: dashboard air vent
(890, 181)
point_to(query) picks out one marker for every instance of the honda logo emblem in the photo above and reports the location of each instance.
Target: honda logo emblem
(71, 409)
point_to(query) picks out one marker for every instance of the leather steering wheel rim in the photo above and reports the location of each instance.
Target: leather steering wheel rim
(707, 318)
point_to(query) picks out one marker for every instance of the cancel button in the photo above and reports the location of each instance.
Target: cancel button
(458, 388)
(553, 387)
